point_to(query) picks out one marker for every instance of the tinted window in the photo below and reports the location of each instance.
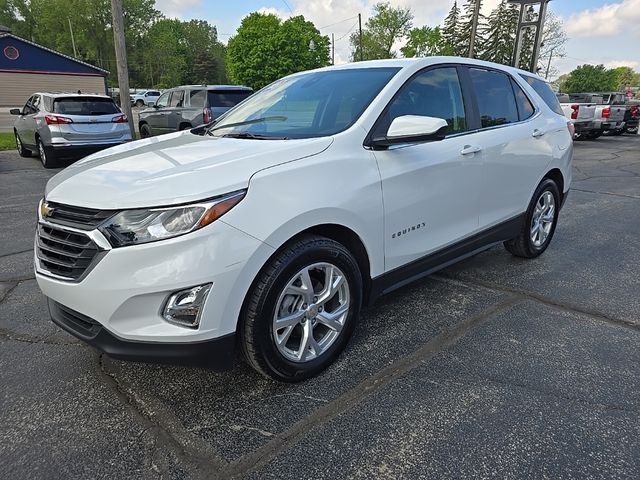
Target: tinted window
(311, 104)
(177, 98)
(496, 102)
(543, 89)
(163, 101)
(84, 106)
(525, 108)
(197, 98)
(28, 107)
(153, 94)
(226, 98)
(434, 93)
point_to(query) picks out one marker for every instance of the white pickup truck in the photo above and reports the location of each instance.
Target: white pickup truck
(590, 116)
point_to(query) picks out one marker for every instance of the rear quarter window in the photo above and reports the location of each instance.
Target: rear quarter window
(543, 89)
(84, 106)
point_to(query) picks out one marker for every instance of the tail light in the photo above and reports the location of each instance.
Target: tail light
(574, 111)
(206, 116)
(120, 119)
(635, 110)
(606, 112)
(57, 120)
(572, 129)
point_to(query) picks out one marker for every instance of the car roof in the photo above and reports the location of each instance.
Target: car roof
(71, 94)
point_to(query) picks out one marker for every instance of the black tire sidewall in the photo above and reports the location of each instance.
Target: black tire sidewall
(546, 185)
(278, 365)
(147, 131)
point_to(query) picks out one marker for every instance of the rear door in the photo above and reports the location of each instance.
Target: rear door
(174, 111)
(515, 140)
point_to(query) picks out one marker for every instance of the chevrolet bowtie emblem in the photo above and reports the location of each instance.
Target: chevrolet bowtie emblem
(46, 210)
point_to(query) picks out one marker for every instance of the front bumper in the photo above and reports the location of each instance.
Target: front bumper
(215, 354)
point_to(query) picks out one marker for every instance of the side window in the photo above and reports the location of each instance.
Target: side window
(433, 93)
(163, 101)
(543, 89)
(36, 103)
(197, 98)
(177, 98)
(28, 107)
(496, 101)
(525, 108)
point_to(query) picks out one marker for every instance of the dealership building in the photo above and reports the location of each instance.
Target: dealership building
(26, 67)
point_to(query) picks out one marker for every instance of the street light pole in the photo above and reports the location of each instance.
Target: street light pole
(121, 61)
(546, 74)
(360, 35)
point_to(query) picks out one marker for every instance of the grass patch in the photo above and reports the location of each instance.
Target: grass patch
(7, 141)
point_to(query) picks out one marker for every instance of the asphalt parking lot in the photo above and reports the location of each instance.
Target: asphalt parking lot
(495, 368)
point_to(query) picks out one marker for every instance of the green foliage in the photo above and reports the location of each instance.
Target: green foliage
(7, 141)
(425, 42)
(590, 78)
(381, 32)
(625, 77)
(265, 49)
(465, 27)
(500, 34)
(451, 32)
(161, 52)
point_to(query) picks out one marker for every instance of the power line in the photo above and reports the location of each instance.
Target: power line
(348, 32)
(336, 23)
(288, 6)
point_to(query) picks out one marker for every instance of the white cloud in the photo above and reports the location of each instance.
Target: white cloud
(177, 8)
(608, 20)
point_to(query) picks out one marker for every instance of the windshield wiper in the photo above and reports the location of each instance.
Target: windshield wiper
(253, 136)
(275, 118)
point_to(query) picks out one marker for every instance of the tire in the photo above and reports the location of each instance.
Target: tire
(22, 151)
(278, 290)
(47, 157)
(145, 131)
(184, 126)
(524, 245)
(594, 135)
(139, 103)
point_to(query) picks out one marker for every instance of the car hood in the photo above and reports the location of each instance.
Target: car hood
(172, 169)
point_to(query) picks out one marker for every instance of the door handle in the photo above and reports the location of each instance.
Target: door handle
(537, 133)
(469, 149)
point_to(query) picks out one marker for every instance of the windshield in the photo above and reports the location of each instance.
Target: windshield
(313, 104)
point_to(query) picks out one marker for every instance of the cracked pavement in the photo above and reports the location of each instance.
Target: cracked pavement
(495, 367)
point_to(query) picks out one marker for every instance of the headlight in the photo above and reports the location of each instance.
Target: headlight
(132, 227)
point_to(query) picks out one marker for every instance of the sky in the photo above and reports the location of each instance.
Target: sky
(599, 31)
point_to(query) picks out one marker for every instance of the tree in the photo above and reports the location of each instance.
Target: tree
(626, 77)
(466, 26)
(554, 39)
(387, 26)
(425, 41)
(500, 34)
(451, 36)
(265, 49)
(590, 78)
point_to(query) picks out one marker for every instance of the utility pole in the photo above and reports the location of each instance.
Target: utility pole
(73, 42)
(474, 28)
(121, 61)
(360, 35)
(546, 74)
(333, 50)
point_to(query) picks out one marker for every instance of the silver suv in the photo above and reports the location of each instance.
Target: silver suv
(68, 126)
(189, 106)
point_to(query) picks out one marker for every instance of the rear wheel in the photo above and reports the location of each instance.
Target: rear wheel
(540, 222)
(47, 157)
(22, 151)
(302, 310)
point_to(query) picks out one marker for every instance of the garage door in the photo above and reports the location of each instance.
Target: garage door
(16, 88)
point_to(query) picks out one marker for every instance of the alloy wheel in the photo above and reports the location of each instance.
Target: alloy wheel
(311, 312)
(542, 219)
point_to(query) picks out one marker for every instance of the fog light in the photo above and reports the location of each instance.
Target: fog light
(185, 306)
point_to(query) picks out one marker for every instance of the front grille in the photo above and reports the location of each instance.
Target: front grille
(77, 217)
(63, 253)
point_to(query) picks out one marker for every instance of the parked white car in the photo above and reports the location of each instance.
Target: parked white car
(146, 98)
(319, 193)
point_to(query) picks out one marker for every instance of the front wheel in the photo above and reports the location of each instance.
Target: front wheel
(22, 151)
(302, 309)
(139, 103)
(145, 131)
(540, 222)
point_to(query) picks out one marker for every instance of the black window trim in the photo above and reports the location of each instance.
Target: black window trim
(466, 101)
(478, 125)
(513, 88)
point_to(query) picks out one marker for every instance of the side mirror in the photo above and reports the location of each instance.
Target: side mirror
(15, 111)
(412, 129)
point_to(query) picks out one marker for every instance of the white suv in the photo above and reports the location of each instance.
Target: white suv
(269, 229)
